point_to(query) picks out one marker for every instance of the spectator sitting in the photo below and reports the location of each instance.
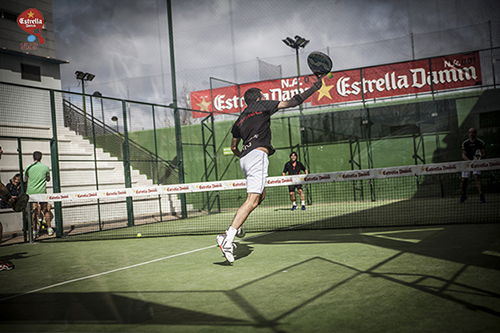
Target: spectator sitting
(14, 188)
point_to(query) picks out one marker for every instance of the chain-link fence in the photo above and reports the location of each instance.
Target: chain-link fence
(128, 134)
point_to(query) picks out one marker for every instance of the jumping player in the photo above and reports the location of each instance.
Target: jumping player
(253, 127)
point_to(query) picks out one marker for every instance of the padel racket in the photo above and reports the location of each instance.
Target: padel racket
(319, 63)
(477, 154)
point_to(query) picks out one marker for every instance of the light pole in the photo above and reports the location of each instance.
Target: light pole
(81, 76)
(296, 43)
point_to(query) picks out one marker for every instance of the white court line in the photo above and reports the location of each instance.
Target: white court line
(104, 273)
(140, 264)
(492, 253)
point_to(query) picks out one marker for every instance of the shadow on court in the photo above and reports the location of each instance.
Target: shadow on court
(471, 244)
(272, 300)
(102, 308)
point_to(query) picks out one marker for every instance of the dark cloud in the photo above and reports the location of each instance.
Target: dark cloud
(126, 44)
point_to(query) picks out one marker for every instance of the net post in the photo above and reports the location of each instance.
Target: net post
(23, 190)
(211, 165)
(56, 178)
(368, 134)
(178, 132)
(30, 223)
(126, 167)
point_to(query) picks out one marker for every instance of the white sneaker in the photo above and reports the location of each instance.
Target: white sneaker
(35, 234)
(50, 231)
(226, 247)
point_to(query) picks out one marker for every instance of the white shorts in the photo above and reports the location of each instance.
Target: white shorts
(466, 174)
(254, 166)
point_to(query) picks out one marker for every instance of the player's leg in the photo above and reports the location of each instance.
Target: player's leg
(463, 186)
(479, 184)
(248, 206)
(262, 196)
(291, 189)
(254, 167)
(226, 240)
(302, 198)
(35, 207)
(47, 216)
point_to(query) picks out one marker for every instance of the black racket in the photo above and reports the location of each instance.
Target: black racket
(477, 154)
(319, 63)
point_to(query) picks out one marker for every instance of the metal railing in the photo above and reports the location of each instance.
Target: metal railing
(110, 140)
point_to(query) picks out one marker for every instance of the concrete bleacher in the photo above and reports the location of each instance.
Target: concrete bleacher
(77, 174)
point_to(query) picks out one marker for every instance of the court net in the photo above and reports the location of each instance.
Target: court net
(396, 196)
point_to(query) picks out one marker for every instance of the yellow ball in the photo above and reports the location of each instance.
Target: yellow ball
(330, 75)
(139, 235)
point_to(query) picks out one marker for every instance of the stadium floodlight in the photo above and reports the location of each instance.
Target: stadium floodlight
(81, 76)
(98, 94)
(297, 43)
(115, 119)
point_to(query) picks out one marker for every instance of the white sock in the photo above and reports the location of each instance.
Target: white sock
(303, 203)
(230, 233)
(294, 203)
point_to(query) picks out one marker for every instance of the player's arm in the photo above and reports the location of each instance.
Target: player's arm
(300, 98)
(464, 155)
(234, 146)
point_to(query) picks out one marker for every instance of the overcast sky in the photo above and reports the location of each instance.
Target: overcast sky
(125, 43)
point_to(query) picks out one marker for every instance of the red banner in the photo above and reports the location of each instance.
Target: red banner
(413, 77)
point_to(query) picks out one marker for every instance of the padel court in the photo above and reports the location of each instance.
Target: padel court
(437, 278)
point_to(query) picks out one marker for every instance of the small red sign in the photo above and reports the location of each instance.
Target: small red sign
(31, 21)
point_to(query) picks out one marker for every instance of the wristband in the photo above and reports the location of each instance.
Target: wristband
(298, 99)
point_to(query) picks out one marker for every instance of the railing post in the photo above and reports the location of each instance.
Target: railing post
(56, 178)
(126, 166)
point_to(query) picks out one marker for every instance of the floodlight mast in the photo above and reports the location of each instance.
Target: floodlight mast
(296, 43)
(81, 76)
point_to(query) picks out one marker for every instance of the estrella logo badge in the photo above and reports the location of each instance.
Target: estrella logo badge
(31, 21)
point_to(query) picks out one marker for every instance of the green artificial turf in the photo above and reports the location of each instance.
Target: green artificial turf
(441, 278)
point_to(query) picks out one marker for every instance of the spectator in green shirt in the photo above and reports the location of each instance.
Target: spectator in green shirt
(37, 175)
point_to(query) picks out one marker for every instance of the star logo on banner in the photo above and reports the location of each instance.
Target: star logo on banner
(204, 104)
(31, 14)
(325, 91)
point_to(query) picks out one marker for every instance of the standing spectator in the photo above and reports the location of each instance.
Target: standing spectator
(472, 149)
(294, 167)
(37, 175)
